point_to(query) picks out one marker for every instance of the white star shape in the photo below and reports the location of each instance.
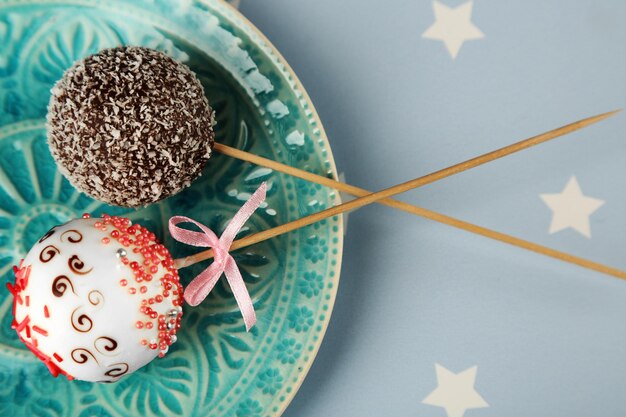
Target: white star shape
(570, 208)
(455, 392)
(453, 26)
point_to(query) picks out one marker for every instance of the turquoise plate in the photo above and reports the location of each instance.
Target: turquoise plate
(216, 368)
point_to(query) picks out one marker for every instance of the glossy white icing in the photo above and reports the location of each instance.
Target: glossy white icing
(75, 310)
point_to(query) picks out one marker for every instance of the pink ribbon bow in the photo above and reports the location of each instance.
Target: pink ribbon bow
(201, 286)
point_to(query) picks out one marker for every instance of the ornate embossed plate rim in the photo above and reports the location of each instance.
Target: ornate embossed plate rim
(248, 27)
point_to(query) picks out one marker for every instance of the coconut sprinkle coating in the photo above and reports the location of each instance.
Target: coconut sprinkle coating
(130, 126)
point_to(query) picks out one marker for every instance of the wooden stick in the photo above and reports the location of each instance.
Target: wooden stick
(181, 263)
(438, 217)
(360, 192)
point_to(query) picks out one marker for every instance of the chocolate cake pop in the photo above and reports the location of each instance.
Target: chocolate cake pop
(97, 299)
(130, 126)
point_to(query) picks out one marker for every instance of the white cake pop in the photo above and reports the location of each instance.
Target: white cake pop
(96, 299)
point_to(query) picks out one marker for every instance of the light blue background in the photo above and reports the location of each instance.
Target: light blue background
(548, 338)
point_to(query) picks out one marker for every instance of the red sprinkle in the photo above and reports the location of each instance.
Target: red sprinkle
(46, 313)
(57, 357)
(40, 330)
(152, 262)
(23, 324)
(13, 290)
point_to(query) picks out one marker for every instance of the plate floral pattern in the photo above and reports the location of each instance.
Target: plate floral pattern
(216, 368)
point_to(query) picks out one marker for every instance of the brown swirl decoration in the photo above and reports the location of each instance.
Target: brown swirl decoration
(95, 297)
(81, 322)
(117, 370)
(48, 234)
(60, 285)
(48, 253)
(73, 236)
(82, 355)
(105, 345)
(77, 266)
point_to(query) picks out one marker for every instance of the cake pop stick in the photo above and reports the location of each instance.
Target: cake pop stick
(360, 192)
(441, 218)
